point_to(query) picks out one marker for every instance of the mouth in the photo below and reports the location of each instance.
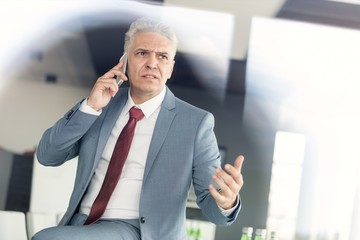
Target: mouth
(149, 76)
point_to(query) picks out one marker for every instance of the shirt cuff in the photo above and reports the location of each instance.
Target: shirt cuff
(228, 212)
(84, 107)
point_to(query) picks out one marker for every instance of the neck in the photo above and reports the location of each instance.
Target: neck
(141, 97)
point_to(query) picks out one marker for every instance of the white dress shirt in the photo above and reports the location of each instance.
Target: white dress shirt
(124, 202)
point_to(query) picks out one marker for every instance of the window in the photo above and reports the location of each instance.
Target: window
(285, 183)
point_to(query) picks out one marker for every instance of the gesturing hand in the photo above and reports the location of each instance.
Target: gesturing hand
(105, 88)
(230, 183)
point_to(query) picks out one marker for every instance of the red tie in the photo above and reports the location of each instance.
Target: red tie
(115, 167)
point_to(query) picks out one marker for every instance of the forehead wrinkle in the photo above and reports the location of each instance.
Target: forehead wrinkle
(154, 42)
(154, 51)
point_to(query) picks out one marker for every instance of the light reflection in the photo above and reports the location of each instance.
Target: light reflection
(309, 75)
(209, 37)
(35, 29)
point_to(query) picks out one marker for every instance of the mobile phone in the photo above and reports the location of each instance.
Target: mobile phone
(123, 68)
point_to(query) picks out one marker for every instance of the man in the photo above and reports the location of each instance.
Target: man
(173, 146)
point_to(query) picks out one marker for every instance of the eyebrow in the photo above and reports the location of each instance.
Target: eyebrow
(147, 50)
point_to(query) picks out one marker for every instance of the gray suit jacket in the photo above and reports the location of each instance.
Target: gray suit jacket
(183, 149)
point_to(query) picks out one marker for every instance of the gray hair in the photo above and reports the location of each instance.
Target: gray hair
(150, 25)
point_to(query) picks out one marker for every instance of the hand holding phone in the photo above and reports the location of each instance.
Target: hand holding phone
(123, 68)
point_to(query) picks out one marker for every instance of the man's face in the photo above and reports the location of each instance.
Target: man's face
(150, 64)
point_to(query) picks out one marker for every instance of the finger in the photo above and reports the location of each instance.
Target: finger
(102, 81)
(121, 75)
(118, 65)
(114, 70)
(239, 162)
(231, 182)
(216, 195)
(113, 73)
(234, 173)
(225, 197)
(107, 84)
(224, 181)
(225, 177)
(109, 75)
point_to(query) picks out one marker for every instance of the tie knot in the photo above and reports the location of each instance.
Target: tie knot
(136, 113)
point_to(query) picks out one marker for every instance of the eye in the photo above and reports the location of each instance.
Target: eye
(141, 53)
(163, 57)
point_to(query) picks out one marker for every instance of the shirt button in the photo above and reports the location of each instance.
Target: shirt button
(142, 220)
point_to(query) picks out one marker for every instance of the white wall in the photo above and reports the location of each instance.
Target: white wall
(243, 12)
(28, 107)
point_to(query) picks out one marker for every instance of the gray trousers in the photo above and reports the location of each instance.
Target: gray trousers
(106, 229)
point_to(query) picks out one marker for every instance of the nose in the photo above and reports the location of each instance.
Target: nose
(152, 61)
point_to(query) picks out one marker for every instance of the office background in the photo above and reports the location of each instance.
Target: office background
(54, 63)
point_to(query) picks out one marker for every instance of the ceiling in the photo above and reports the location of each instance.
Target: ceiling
(84, 46)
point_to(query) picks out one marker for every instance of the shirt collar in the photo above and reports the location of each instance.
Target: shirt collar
(147, 107)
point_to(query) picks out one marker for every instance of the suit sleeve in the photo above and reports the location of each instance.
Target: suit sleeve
(61, 142)
(206, 160)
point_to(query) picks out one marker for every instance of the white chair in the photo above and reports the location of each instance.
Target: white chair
(51, 187)
(13, 225)
(50, 192)
(59, 216)
(39, 221)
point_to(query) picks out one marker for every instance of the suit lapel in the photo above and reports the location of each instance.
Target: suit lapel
(163, 123)
(111, 115)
